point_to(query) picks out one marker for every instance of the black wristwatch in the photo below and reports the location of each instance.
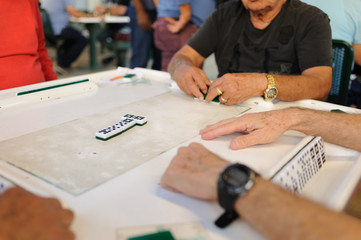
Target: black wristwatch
(234, 182)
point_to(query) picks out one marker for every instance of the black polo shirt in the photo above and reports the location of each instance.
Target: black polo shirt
(297, 39)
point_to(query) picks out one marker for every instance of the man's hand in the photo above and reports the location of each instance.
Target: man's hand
(144, 21)
(257, 128)
(191, 80)
(175, 26)
(194, 171)
(27, 217)
(237, 87)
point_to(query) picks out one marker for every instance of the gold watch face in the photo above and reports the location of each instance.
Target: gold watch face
(271, 93)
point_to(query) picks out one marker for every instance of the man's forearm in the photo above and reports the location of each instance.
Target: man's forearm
(279, 214)
(177, 60)
(186, 12)
(139, 6)
(292, 88)
(338, 128)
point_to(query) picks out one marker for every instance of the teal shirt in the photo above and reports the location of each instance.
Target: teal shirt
(345, 16)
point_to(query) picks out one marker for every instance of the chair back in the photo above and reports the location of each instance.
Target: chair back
(341, 72)
(48, 28)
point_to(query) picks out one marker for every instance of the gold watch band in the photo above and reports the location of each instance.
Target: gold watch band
(271, 81)
(271, 92)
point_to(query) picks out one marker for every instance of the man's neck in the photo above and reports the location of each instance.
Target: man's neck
(262, 18)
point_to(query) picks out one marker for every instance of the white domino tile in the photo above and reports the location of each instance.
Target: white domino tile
(294, 175)
(127, 122)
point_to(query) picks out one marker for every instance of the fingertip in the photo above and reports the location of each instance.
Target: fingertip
(235, 145)
(203, 131)
(206, 136)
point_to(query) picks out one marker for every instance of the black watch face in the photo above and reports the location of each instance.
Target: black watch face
(236, 177)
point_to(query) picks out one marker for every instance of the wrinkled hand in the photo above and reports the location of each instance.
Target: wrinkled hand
(236, 87)
(194, 171)
(26, 216)
(144, 21)
(191, 80)
(258, 128)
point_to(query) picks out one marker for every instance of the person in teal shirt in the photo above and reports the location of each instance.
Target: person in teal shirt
(345, 16)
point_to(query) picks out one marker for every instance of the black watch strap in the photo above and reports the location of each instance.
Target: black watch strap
(226, 218)
(234, 182)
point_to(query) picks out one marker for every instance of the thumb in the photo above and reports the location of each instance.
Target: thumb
(170, 20)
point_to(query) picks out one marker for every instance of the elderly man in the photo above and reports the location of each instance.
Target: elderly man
(270, 48)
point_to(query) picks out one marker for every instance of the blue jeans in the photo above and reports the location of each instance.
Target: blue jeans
(142, 42)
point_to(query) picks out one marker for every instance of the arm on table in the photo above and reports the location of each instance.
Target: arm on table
(26, 216)
(274, 212)
(184, 68)
(264, 127)
(313, 83)
(75, 13)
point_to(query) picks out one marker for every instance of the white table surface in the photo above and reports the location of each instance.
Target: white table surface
(135, 197)
(105, 19)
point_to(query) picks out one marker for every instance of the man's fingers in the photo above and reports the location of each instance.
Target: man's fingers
(201, 80)
(66, 217)
(216, 125)
(228, 127)
(251, 139)
(170, 20)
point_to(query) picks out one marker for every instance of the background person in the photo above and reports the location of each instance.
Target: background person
(108, 33)
(73, 41)
(143, 14)
(177, 21)
(345, 21)
(23, 62)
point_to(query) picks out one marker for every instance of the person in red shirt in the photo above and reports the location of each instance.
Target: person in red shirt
(24, 59)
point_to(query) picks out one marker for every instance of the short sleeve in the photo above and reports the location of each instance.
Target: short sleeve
(205, 40)
(314, 47)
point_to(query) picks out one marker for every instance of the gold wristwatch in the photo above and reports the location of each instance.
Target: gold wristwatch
(271, 92)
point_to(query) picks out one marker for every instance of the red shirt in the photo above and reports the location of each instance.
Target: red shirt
(23, 57)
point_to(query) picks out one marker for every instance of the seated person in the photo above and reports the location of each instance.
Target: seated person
(73, 41)
(143, 14)
(23, 62)
(177, 21)
(269, 209)
(345, 21)
(288, 40)
(109, 32)
(346, 25)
